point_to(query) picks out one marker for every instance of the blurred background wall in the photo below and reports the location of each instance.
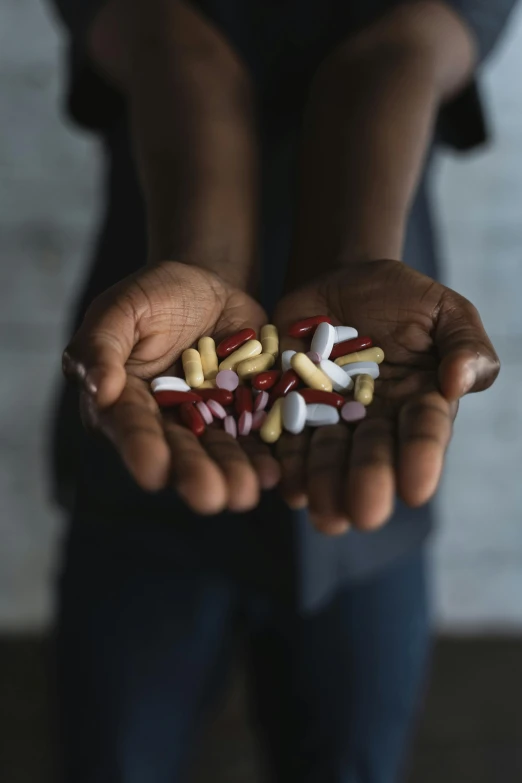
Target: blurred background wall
(49, 185)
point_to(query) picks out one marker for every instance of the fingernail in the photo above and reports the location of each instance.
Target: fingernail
(469, 378)
(91, 382)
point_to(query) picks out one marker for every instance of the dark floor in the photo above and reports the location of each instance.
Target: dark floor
(471, 730)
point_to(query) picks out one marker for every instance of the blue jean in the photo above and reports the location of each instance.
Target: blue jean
(144, 647)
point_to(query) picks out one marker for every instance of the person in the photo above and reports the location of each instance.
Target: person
(260, 158)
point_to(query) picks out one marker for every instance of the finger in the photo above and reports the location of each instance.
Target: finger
(370, 490)
(265, 464)
(326, 470)
(468, 360)
(292, 452)
(240, 476)
(425, 427)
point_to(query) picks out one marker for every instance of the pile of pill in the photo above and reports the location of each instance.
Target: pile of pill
(235, 381)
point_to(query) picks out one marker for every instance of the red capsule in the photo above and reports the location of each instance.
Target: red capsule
(233, 342)
(350, 346)
(288, 381)
(167, 399)
(310, 396)
(307, 325)
(243, 401)
(192, 418)
(265, 380)
(223, 396)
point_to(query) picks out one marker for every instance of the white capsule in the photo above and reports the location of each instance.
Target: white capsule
(169, 383)
(343, 333)
(361, 368)
(294, 413)
(341, 381)
(323, 340)
(319, 415)
(286, 357)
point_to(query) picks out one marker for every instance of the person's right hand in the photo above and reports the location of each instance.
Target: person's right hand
(134, 332)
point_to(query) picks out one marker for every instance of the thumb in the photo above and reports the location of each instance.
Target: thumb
(469, 362)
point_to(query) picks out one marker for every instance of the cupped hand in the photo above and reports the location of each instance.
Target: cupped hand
(436, 350)
(135, 331)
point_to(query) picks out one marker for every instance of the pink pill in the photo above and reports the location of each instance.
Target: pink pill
(227, 379)
(353, 411)
(257, 419)
(261, 401)
(244, 424)
(230, 426)
(314, 357)
(216, 409)
(206, 414)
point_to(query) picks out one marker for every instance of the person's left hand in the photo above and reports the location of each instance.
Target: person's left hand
(436, 350)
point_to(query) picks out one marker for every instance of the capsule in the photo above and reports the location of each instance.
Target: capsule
(350, 346)
(223, 396)
(272, 426)
(288, 381)
(232, 343)
(265, 380)
(311, 396)
(323, 340)
(192, 418)
(375, 355)
(270, 339)
(243, 400)
(207, 385)
(310, 373)
(250, 367)
(246, 351)
(294, 413)
(209, 359)
(244, 423)
(167, 399)
(364, 386)
(307, 325)
(192, 367)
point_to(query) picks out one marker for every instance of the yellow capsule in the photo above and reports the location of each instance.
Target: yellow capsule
(273, 424)
(246, 351)
(250, 367)
(363, 392)
(368, 355)
(209, 359)
(310, 372)
(208, 385)
(270, 339)
(192, 367)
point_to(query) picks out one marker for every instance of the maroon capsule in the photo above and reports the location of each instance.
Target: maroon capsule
(243, 400)
(192, 418)
(310, 396)
(288, 381)
(230, 344)
(350, 346)
(223, 396)
(265, 380)
(167, 399)
(307, 325)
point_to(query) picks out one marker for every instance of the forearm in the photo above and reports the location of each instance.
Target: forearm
(191, 116)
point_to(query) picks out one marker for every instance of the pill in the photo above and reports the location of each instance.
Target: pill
(307, 325)
(323, 340)
(169, 383)
(207, 385)
(222, 396)
(227, 379)
(288, 381)
(261, 401)
(216, 409)
(230, 426)
(166, 398)
(192, 367)
(319, 415)
(327, 398)
(232, 343)
(343, 333)
(359, 368)
(244, 424)
(265, 380)
(350, 346)
(251, 367)
(363, 391)
(206, 414)
(272, 426)
(294, 413)
(192, 418)
(209, 359)
(369, 355)
(246, 351)
(310, 373)
(286, 358)
(269, 339)
(336, 373)
(258, 419)
(243, 400)
(353, 411)
(314, 357)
